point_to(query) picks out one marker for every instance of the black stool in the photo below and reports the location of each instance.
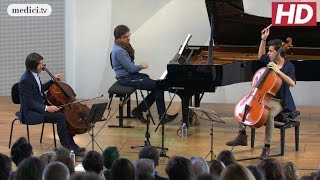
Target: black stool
(286, 122)
(124, 93)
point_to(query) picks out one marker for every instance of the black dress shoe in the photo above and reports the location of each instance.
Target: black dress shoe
(137, 113)
(168, 118)
(77, 152)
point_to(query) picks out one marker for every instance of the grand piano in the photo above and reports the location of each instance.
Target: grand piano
(233, 58)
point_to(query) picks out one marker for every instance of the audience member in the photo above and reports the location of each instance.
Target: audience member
(199, 166)
(92, 162)
(5, 167)
(30, 169)
(144, 169)
(55, 171)
(290, 171)
(20, 150)
(226, 157)
(47, 157)
(66, 160)
(257, 172)
(110, 154)
(272, 169)
(179, 168)
(86, 176)
(236, 171)
(61, 151)
(151, 152)
(206, 177)
(122, 169)
(216, 167)
(317, 174)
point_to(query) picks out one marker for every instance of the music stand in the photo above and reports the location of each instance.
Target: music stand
(208, 115)
(95, 115)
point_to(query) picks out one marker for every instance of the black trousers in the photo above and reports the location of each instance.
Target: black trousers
(66, 139)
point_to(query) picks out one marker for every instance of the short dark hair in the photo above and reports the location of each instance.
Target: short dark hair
(92, 161)
(20, 150)
(110, 154)
(5, 166)
(30, 168)
(86, 176)
(216, 167)
(179, 168)
(32, 61)
(120, 30)
(66, 160)
(122, 169)
(277, 43)
(272, 169)
(150, 152)
(226, 157)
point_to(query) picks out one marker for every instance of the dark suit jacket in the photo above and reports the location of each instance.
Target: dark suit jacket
(32, 104)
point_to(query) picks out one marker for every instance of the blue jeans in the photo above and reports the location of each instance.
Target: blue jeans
(146, 84)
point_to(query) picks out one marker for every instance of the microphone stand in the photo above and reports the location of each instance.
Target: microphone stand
(163, 149)
(147, 133)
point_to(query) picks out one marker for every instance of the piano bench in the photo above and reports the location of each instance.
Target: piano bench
(282, 126)
(124, 93)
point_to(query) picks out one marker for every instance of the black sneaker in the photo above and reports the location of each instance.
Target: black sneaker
(168, 118)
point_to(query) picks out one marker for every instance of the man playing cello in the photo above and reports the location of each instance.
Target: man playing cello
(283, 99)
(33, 106)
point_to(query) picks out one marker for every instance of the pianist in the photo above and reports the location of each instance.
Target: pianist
(128, 74)
(283, 99)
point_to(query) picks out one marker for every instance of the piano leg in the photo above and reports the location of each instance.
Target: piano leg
(185, 102)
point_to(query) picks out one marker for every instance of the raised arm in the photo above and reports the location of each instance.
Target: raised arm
(264, 35)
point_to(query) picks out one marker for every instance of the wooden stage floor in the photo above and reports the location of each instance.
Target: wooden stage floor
(196, 144)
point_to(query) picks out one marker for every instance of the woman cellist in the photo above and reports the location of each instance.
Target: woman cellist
(283, 99)
(33, 106)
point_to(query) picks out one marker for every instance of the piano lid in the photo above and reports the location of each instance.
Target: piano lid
(235, 27)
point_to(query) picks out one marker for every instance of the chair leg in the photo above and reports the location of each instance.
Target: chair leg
(110, 100)
(11, 131)
(129, 107)
(121, 112)
(28, 134)
(137, 100)
(253, 135)
(297, 136)
(41, 133)
(54, 135)
(282, 139)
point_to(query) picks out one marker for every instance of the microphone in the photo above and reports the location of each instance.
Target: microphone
(176, 88)
(136, 80)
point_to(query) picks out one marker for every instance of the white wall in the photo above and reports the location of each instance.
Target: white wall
(158, 28)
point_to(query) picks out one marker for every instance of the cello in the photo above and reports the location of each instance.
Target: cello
(62, 95)
(253, 109)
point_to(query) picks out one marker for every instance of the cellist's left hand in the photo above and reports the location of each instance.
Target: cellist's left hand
(58, 76)
(274, 67)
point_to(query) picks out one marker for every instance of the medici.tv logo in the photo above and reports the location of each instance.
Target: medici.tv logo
(294, 14)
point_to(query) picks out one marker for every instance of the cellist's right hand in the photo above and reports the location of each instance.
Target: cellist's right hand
(265, 33)
(52, 108)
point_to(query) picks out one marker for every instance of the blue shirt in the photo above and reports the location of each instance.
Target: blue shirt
(284, 92)
(121, 62)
